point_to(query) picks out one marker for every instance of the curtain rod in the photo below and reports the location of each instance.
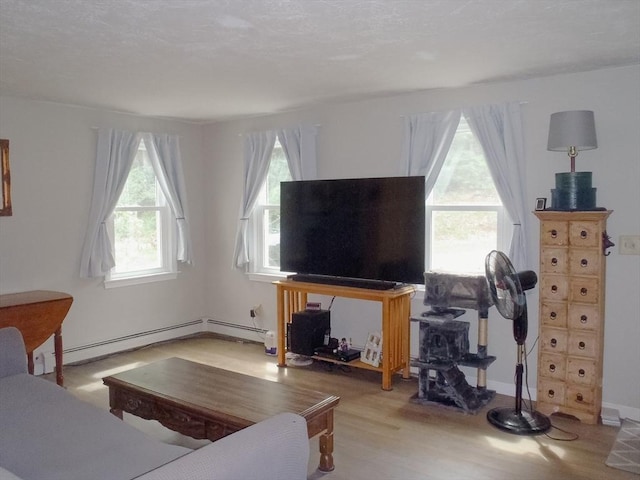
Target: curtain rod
(137, 131)
(524, 102)
(317, 125)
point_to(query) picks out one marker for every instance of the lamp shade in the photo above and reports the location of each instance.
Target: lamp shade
(572, 129)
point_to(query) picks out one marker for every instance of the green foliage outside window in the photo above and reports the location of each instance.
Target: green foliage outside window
(137, 239)
(278, 172)
(461, 232)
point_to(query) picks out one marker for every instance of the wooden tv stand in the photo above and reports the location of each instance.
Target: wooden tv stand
(396, 310)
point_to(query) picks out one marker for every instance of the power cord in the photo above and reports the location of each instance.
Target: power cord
(331, 303)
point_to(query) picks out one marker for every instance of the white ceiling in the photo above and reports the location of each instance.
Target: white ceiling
(210, 60)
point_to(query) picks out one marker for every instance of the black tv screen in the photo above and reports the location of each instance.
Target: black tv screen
(365, 228)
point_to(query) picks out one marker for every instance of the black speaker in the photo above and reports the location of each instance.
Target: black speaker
(307, 330)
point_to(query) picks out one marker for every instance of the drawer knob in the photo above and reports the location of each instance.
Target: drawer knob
(582, 345)
(581, 372)
(583, 319)
(551, 393)
(554, 261)
(554, 233)
(553, 315)
(554, 343)
(584, 291)
(583, 234)
(579, 397)
(554, 288)
(584, 263)
(552, 368)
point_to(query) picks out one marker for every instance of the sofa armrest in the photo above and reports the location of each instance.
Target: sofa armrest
(7, 475)
(13, 354)
(276, 448)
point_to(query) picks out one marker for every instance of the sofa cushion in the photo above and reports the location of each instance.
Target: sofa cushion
(48, 434)
(13, 356)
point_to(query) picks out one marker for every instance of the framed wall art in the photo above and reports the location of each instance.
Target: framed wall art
(5, 179)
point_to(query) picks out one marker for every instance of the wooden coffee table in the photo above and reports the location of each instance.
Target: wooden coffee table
(205, 402)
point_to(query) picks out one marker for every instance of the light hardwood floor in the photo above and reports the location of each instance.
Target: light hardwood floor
(378, 434)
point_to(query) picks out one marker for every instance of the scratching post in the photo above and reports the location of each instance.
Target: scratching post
(444, 342)
(483, 342)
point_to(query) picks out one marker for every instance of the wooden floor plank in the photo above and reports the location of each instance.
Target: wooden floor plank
(378, 434)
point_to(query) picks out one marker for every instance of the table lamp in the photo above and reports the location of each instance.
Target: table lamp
(571, 132)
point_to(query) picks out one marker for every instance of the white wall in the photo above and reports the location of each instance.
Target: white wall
(52, 157)
(364, 139)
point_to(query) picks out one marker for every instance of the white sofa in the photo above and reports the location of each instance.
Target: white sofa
(48, 434)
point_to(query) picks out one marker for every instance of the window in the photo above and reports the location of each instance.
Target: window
(266, 215)
(139, 228)
(465, 216)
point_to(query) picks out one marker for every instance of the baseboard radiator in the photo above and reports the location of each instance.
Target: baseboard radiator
(235, 326)
(126, 342)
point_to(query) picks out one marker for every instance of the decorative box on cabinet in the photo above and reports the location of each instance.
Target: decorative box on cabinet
(572, 294)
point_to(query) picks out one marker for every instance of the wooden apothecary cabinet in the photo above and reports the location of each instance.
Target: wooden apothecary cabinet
(571, 327)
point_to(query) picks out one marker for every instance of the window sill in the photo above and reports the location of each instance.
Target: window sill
(266, 277)
(154, 277)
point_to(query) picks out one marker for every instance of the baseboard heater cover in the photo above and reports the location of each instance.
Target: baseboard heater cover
(132, 336)
(211, 321)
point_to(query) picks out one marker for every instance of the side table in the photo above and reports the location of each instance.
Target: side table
(38, 315)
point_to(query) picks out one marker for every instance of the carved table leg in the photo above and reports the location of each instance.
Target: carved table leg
(326, 446)
(117, 412)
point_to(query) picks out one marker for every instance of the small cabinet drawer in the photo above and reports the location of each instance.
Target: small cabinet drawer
(583, 344)
(584, 261)
(581, 372)
(580, 397)
(554, 233)
(554, 288)
(584, 317)
(554, 340)
(554, 260)
(584, 290)
(552, 366)
(550, 391)
(584, 234)
(554, 314)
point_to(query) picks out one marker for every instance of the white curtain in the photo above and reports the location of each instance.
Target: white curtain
(115, 153)
(499, 130)
(299, 145)
(427, 139)
(164, 153)
(258, 147)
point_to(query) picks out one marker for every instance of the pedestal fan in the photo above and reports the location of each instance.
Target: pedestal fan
(507, 289)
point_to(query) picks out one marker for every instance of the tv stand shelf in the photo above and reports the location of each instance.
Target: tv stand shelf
(396, 309)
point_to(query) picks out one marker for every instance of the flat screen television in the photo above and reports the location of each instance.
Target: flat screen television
(370, 229)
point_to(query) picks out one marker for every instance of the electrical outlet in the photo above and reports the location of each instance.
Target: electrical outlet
(255, 311)
(43, 362)
(629, 244)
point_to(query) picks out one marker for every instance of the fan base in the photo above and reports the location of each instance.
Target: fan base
(523, 423)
